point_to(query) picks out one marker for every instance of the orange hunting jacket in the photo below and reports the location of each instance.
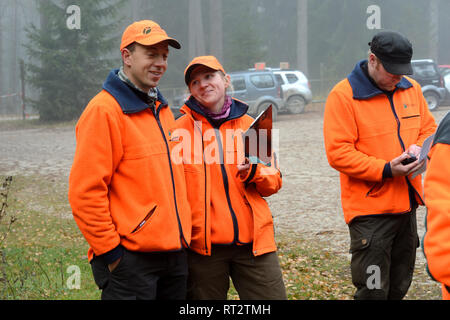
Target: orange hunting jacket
(363, 131)
(124, 189)
(261, 181)
(436, 242)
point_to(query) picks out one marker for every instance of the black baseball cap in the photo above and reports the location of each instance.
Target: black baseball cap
(394, 51)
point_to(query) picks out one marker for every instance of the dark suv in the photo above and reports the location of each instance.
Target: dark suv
(427, 74)
(258, 89)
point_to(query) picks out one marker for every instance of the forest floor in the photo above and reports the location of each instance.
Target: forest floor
(44, 241)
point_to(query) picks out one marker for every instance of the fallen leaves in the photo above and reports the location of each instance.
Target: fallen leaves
(310, 272)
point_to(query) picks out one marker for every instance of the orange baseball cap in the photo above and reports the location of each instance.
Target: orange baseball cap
(147, 33)
(208, 61)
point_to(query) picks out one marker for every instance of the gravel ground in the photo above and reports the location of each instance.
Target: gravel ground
(45, 151)
(308, 206)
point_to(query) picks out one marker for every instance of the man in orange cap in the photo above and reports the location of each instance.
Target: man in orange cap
(127, 196)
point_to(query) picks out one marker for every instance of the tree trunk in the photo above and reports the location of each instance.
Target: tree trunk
(196, 36)
(434, 30)
(2, 72)
(216, 28)
(135, 10)
(42, 16)
(302, 35)
(22, 91)
(13, 66)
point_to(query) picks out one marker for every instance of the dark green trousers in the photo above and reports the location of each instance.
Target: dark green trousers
(383, 249)
(255, 278)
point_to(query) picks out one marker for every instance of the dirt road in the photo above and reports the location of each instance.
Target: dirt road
(46, 151)
(308, 206)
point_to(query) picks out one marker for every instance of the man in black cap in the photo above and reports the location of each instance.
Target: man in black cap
(375, 122)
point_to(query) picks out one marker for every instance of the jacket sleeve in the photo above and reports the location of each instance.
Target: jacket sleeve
(267, 178)
(436, 244)
(97, 155)
(340, 135)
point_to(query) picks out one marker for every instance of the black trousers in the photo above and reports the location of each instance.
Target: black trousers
(143, 276)
(383, 249)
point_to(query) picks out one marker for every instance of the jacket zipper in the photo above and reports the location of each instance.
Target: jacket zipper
(156, 114)
(224, 179)
(144, 221)
(206, 186)
(206, 202)
(226, 186)
(391, 102)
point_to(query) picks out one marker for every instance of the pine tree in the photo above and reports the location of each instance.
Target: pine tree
(69, 65)
(242, 41)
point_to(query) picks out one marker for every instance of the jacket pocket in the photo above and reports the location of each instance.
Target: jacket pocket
(360, 243)
(377, 189)
(100, 272)
(411, 116)
(143, 151)
(410, 122)
(145, 219)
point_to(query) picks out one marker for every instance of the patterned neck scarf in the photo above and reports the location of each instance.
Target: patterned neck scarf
(152, 93)
(222, 114)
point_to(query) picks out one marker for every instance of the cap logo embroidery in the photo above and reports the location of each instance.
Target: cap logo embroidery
(147, 30)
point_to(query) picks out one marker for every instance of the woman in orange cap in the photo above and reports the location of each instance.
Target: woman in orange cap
(232, 232)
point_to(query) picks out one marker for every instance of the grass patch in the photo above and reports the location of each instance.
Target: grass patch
(313, 273)
(44, 243)
(310, 272)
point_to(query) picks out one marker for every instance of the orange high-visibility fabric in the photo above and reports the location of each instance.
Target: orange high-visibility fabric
(211, 217)
(122, 175)
(362, 135)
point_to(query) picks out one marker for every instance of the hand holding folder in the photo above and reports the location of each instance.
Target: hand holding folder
(258, 138)
(423, 155)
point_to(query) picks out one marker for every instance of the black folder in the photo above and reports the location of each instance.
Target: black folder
(258, 138)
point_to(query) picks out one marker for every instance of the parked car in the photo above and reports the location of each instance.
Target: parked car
(444, 69)
(295, 88)
(427, 74)
(446, 77)
(258, 89)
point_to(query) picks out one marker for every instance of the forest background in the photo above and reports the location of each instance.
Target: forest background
(324, 39)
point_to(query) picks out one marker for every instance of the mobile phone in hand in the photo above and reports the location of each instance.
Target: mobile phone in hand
(409, 160)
